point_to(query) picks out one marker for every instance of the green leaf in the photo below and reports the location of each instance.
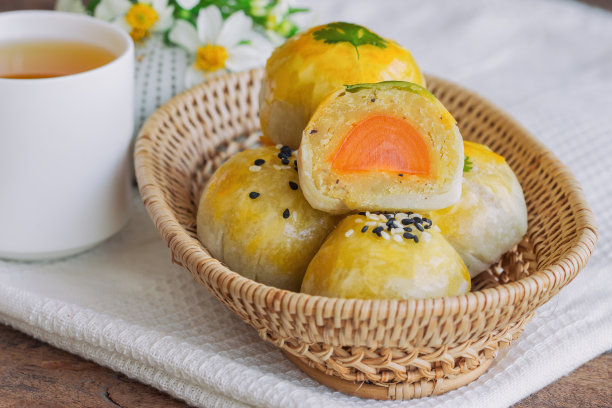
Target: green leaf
(467, 164)
(400, 85)
(297, 10)
(353, 34)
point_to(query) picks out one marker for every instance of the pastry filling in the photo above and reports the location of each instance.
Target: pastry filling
(382, 143)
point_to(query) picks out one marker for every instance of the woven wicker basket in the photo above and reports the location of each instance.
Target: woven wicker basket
(383, 349)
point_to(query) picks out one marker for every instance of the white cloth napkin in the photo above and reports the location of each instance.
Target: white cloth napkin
(124, 305)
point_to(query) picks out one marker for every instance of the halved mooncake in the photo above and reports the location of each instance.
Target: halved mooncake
(253, 217)
(386, 256)
(491, 216)
(309, 66)
(384, 146)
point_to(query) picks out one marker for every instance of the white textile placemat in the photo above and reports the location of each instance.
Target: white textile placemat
(124, 305)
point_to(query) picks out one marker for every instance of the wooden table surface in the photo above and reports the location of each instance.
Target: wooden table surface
(35, 374)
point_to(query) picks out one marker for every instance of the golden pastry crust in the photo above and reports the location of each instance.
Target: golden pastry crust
(309, 66)
(491, 216)
(409, 104)
(255, 219)
(380, 263)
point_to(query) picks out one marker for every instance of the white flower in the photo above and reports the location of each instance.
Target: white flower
(275, 38)
(280, 9)
(219, 45)
(259, 7)
(70, 6)
(187, 4)
(140, 18)
(276, 14)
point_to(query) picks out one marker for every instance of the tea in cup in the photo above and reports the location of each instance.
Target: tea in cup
(66, 126)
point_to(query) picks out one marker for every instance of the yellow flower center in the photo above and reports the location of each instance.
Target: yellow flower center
(270, 22)
(211, 57)
(138, 34)
(141, 18)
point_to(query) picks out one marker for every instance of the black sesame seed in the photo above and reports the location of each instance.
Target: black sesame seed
(364, 229)
(285, 161)
(373, 100)
(293, 185)
(390, 221)
(286, 213)
(313, 131)
(417, 219)
(416, 239)
(284, 154)
(253, 195)
(428, 222)
(401, 175)
(419, 227)
(377, 230)
(388, 216)
(362, 213)
(259, 162)
(408, 229)
(408, 235)
(407, 221)
(286, 149)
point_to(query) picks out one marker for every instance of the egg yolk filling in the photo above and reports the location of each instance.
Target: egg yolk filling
(382, 143)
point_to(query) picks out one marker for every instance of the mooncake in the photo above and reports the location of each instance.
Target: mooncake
(386, 256)
(383, 146)
(491, 215)
(253, 217)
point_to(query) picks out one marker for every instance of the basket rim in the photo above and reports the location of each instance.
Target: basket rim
(190, 253)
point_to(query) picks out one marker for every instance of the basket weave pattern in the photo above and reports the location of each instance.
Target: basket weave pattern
(402, 349)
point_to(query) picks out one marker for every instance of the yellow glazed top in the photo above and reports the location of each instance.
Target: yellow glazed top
(309, 66)
(255, 219)
(370, 265)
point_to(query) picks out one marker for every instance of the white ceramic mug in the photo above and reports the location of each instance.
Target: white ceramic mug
(65, 163)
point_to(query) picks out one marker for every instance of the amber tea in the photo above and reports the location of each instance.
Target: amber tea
(47, 58)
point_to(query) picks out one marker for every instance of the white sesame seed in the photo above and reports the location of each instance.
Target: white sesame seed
(367, 214)
(279, 146)
(416, 215)
(397, 231)
(358, 220)
(385, 235)
(397, 238)
(400, 216)
(255, 168)
(371, 223)
(349, 233)
(277, 167)
(426, 236)
(372, 217)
